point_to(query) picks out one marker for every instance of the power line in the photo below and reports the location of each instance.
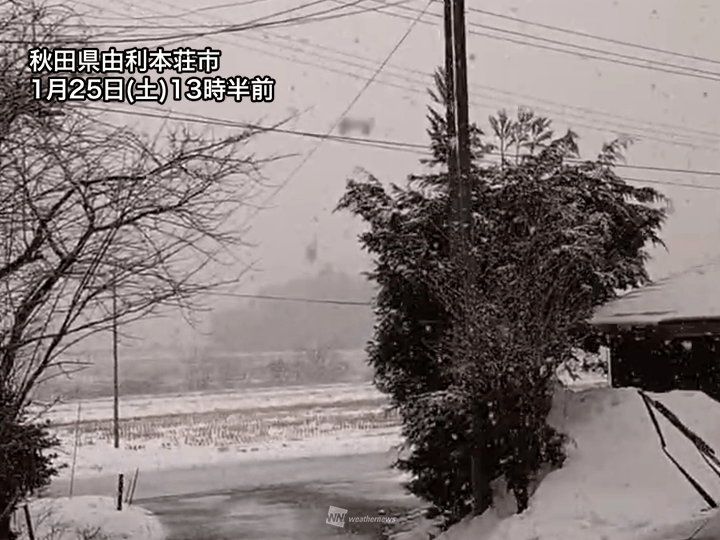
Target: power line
(676, 184)
(309, 155)
(669, 170)
(395, 145)
(387, 145)
(292, 299)
(643, 180)
(710, 75)
(249, 25)
(621, 59)
(603, 125)
(652, 65)
(474, 10)
(638, 131)
(206, 120)
(354, 74)
(595, 36)
(698, 172)
(202, 28)
(329, 14)
(180, 15)
(484, 87)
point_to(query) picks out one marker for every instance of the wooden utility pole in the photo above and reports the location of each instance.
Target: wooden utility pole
(116, 396)
(450, 106)
(462, 129)
(459, 165)
(458, 126)
(451, 138)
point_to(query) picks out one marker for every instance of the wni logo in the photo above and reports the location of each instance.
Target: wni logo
(336, 516)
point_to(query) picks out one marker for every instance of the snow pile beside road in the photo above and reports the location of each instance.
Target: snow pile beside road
(414, 525)
(88, 518)
(617, 482)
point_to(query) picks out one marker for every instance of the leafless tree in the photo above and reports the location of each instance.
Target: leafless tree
(87, 208)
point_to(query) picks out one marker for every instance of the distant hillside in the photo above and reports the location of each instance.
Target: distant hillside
(256, 343)
(268, 325)
(156, 375)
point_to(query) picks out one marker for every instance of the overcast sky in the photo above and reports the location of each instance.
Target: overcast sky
(321, 67)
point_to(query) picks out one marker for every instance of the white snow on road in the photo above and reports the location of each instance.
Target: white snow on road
(617, 483)
(89, 517)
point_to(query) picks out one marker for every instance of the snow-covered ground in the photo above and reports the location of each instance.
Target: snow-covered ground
(285, 397)
(103, 459)
(348, 430)
(617, 483)
(170, 432)
(88, 518)
(233, 400)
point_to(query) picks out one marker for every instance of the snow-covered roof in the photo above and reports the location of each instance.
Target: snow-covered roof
(690, 295)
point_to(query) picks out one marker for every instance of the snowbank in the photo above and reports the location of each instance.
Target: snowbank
(102, 458)
(616, 483)
(88, 518)
(415, 526)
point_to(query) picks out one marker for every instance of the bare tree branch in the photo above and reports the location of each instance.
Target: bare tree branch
(86, 207)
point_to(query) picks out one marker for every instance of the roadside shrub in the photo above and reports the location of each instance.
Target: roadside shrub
(26, 460)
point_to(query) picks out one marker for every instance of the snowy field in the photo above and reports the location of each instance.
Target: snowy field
(293, 423)
(103, 459)
(185, 404)
(185, 431)
(179, 442)
(259, 399)
(233, 427)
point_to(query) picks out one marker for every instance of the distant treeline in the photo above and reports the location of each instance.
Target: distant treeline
(266, 325)
(239, 352)
(148, 376)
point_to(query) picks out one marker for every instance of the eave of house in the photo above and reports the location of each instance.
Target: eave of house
(683, 305)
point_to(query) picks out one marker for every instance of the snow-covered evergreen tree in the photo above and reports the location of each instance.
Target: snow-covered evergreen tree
(554, 237)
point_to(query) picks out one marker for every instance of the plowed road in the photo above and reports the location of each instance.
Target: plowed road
(265, 500)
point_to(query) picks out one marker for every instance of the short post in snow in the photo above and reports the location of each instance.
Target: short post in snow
(120, 491)
(131, 494)
(28, 521)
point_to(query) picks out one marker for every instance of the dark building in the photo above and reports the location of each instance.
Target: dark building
(666, 336)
